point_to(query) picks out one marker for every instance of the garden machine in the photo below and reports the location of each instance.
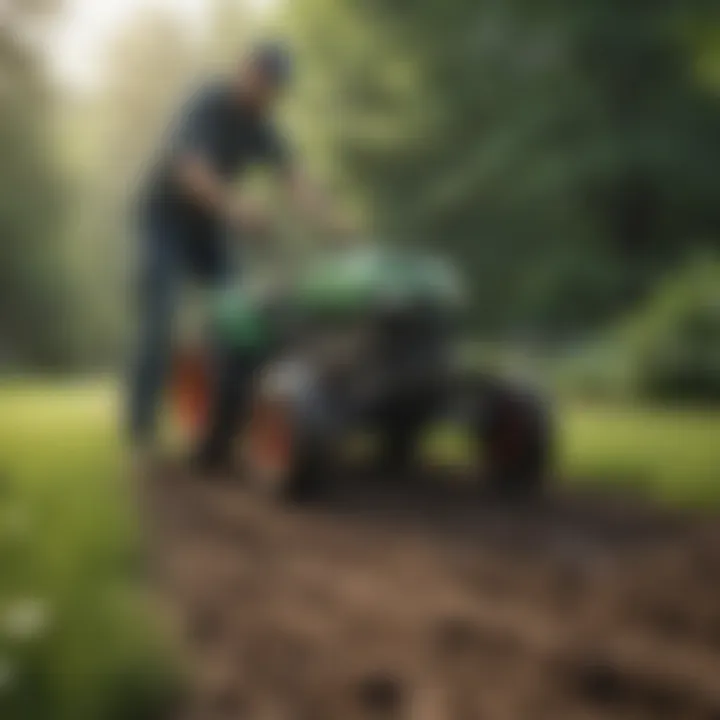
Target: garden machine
(359, 339)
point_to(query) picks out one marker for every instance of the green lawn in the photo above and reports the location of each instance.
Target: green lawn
(672, 455)
(669, 455)
(77, 638)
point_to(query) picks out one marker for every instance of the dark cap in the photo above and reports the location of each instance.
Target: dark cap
(274, 60)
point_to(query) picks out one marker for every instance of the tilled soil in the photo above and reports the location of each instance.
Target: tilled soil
(425, 601)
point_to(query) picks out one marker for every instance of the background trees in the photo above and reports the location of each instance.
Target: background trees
(31, 276)
(564, 153)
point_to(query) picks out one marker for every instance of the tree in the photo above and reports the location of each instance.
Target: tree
(31, 270)
(115, 133)
(562, 151)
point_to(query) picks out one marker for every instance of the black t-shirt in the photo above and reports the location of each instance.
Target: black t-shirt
(228, 134)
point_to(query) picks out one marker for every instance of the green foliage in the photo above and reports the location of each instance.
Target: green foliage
(76, 636)
(673, 341)
(563, 151)
(110, 138)
(668, 349)
(599, 371)
(31, 268)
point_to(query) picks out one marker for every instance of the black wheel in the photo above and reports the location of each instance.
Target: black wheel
(399, 441)
(516, 438)
(280, 460)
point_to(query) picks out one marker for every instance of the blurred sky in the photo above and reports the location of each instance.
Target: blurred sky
(87, 25)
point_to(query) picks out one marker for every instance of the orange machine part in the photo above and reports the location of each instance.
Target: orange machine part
(191, 391)
(270, 436)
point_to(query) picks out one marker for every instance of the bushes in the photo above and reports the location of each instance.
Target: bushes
(674, 341)
(668, 350)
(599, 371)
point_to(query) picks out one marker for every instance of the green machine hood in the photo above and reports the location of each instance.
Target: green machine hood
(343, 286)
(354, 282)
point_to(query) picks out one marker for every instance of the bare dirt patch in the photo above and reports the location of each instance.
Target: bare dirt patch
(418, 601)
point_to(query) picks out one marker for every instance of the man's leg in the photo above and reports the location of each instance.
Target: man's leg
(232, 372)
(159, 280)
(233, 376)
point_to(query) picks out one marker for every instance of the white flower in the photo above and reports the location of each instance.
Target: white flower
(7, 676)
(25, 620)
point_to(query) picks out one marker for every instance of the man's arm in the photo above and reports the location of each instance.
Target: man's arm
(200, 182)
(304, 195)
(307, 196)
(314, 203)
(194, 153)
(194, 170)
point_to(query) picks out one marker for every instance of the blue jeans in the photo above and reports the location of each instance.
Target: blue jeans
(170, 254)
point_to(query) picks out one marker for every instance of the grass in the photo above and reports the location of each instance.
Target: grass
(77, 638)
(672, 455)
(669, 455)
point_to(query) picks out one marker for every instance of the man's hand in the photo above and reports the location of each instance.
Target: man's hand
(317, 206)
(249, 218)
(342, 230)
(201, 183)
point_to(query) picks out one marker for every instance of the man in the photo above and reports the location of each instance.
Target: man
(188, 210)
